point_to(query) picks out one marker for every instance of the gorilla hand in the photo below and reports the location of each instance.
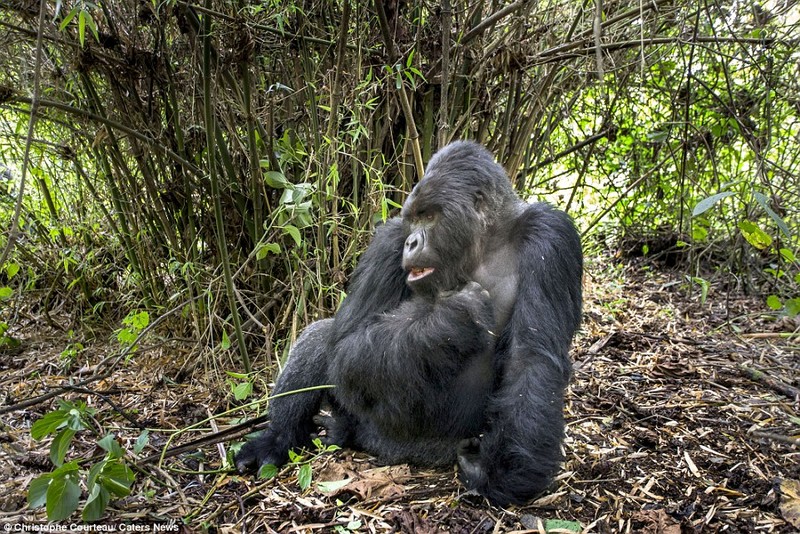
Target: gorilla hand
(470, 470)
(474, 301)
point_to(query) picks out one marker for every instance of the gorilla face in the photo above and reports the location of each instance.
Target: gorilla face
(441, 242)
(448, 216)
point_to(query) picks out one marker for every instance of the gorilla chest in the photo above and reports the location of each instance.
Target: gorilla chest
(498, 275)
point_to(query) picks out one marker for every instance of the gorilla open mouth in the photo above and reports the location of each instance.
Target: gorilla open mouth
(418, 273)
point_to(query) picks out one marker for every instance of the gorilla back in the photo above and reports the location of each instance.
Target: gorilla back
(453, 342)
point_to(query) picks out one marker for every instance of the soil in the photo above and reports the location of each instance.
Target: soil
(683, 416)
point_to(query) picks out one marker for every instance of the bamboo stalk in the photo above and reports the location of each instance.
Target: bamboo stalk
(222, 246)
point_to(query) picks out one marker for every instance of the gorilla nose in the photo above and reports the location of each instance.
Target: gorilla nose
(412, 243)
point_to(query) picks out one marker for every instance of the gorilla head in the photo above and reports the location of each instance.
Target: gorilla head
(459, 201)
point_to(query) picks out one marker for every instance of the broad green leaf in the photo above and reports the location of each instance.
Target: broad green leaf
(37, 491)
(792, 307)
(60, 445)
(62, 498)
(267, 471)
(708, 202)
(6, 292)
(117, 478)
(267, 248)
(699, 233)
(277, 180)
(755, 235)
(94, 473)
(11, 270)
(242, 391)
(294, 232)
(304, 476)
(69, 469)
(139, 321)
(48, 424)
(111, 445)
(96, 503)
(774, 302)
(562, 525)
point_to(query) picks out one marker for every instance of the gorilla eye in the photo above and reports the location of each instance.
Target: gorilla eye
(427, 215)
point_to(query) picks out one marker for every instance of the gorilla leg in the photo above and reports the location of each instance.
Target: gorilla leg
(292, 416)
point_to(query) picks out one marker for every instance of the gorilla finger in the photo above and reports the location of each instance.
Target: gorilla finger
(325, 421)
(469, 447)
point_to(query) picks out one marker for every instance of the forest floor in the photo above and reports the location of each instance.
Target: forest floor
(671, 430)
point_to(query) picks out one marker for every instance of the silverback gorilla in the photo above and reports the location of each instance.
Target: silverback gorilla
(452, 344)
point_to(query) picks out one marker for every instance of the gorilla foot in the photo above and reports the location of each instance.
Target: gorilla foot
(264, 449)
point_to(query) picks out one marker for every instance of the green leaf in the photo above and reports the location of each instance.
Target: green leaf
(48, 424)
(755, 235)
(96, 503)
(62, 498)
(792, 307)
(267, 471)
(111, 445)
(37, 490)
(708, 202)
(294, 232)
(267, 248)
(699, 233)
(226, 341)
(704, 285)
(237, 376)
(82, 27)
(141, 441)
(562, 525)
(92, 26)
(277, 180)
(117, 478)
(774, 302)
(139, 321)
(304, 476)
(242, 390)
(11, 270)
(658, 136)
(762, 201)
(69, 16)
(60, 445)
(333, 485)
(788, 255)
(6, 292)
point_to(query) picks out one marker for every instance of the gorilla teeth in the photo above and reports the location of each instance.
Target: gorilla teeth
(418, 273)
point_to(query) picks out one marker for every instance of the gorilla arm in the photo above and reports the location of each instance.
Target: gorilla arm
(520, 451)
(393, 368)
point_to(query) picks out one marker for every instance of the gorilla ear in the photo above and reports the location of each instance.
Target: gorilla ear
(480, 202)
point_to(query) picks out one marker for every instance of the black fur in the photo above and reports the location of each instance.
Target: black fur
(465, 359)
